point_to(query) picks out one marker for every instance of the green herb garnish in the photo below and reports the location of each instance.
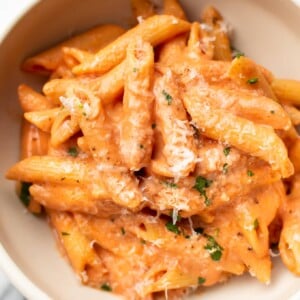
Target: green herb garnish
(239, 54)
(201, 185)
(169, 184)
(24, 193)
(225, 168)
(255, 224)
(201, 280)
(65, 233)
(272, 112)
(172, 227)
(73, 151)
(250, 173)
(214, 249)
(106, 287)
(226, 151)
(252, 80)
(168, 97)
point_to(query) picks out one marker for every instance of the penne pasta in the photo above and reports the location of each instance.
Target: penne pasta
(43, 119)
(179, 149)
(137, 134)
(152, 146)
(154, 30)
(243, 134)
(287, 90)
(30, 100)
(92, 40)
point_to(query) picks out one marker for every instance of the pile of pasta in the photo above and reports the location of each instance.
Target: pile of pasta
(164, 160)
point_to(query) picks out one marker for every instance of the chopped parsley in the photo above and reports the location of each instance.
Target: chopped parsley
(226, 151)
(214, 249)
(168, 97)
(225, 168)
(143, 241)
(201, 280)
(272, 112)
(134, 70)
(252, 80)
(24, 193)
(106, 287)
(64, 233)
(255, 224)
(201, 185)
(172, 227)
(239, 54)
(73, 151)
(123, 231)
(169, 184)
(250, 173)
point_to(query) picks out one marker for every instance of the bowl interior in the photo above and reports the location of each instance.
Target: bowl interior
(268, 31)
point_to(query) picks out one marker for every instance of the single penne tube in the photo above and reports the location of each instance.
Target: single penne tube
(51, 169)
(249, 75)
(171, 118)
(259, 109)
(256, 140)
(30, 100)
(154, 30)
(62, 170)
(142, 9)
(287, 90)
(173, 8)
(42, 119)
(76, 245)
(136, 139)
(91, 40)
(293, 112)
(33, 140)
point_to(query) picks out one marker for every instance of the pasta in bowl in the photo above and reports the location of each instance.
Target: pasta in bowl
(156, 151)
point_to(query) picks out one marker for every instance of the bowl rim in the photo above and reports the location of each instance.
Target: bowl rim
(16, 276)
(19, 279)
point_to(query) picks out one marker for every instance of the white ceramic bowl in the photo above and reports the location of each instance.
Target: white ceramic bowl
(266, 30)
